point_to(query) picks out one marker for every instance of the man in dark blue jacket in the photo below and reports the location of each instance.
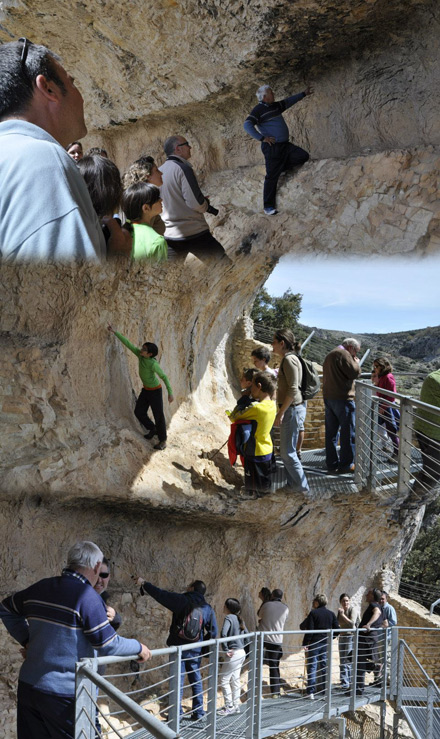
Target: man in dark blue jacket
(180, 604)
(265, 123)
(319, 618)
(58, 621)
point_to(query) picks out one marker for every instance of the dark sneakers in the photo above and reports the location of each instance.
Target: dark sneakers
(161, 445)
(150, 434)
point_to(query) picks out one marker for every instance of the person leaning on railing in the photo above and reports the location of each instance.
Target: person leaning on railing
(58, 621)
(368, 655)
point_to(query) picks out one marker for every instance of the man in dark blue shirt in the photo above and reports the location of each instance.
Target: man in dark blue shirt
(180, 604)
(265, 123)
(319, 619)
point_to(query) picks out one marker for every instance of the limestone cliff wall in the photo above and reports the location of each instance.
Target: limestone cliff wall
(73, 460)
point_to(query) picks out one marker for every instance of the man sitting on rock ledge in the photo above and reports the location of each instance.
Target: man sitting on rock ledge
(265, 123)
(45, 208)
(58, 621)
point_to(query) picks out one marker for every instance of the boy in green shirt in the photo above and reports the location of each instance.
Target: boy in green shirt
(151, 394)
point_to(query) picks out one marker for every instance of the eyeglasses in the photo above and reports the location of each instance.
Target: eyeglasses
(24, 51)
(104, 575)
(185, 143)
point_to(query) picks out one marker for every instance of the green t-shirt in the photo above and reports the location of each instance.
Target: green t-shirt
(149, 367)
(425, 422)
(148, 244)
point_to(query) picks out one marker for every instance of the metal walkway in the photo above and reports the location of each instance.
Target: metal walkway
(147, 704)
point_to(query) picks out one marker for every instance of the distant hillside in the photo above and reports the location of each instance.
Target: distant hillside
(412, 353)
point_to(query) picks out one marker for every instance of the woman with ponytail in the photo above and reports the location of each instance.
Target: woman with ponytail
(233, 656)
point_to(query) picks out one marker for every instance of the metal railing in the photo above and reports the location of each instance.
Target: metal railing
(417, 696)
(341, 669)
(424, 593)
(400, 460)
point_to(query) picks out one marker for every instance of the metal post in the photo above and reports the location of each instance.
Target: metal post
(328, 676)
(405, 436)
(363, 399)
(396, 718)
(400, 662)
(431, 692)
(174, 698)
(383, 687)
(250, 698)
(374, 423)
(212, 691)
(340, 721)
(258, 685)
(354, 670)
(394, 660)
(383, 713)
(84, 706)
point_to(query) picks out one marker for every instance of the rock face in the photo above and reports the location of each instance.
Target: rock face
(74, 461)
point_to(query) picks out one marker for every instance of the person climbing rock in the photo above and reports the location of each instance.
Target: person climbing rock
(151, 393)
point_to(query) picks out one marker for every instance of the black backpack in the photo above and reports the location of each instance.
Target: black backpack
(310, 382)
(190, 624)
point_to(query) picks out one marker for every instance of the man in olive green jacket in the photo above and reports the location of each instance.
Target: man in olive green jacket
(427, 428)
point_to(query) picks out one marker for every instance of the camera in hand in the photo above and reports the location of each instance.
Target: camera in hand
(212, 210)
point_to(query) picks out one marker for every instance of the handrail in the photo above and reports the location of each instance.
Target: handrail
(157, 728)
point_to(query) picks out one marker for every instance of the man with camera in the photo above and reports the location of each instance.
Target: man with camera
(184, 203)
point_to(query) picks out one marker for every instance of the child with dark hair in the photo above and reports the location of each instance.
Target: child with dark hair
(96, 150)
(258, 452)
(141, 204)
(103, 182)
(261, 359)
(389, 414)
(151, 394)
(233, 656)
(145, 169)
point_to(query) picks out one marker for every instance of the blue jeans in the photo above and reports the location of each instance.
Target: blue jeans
(292, 421)
(191, 665)
(316, 666)
(339, 415)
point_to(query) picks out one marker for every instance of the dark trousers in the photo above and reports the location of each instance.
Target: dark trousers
(272, 656)
(151, 399)
(202, 245)
(44, 716)
(279, 158)
(257, 474)
(430, 473)
(368, 657)
(339, 415)
(390, 418)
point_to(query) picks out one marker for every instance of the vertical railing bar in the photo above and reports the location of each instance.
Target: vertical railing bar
(175, 697)
(84, 708)
(212, 691)
(328, 675)
(354, 674)
(405, 444)
(250, 698)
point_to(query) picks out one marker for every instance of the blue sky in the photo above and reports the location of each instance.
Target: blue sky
(362, 295)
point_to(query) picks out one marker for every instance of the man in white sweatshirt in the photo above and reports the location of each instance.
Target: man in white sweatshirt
(273, 615)
(184, 203)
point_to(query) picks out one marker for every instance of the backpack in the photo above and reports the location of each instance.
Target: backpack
(310, 382)
(189, 628)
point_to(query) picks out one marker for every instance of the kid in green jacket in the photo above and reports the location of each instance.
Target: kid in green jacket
(151, 394)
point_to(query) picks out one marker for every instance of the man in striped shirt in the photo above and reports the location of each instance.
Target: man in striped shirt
(265, 123)
(58, 621)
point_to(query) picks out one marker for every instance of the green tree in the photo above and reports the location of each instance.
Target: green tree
(282, 312)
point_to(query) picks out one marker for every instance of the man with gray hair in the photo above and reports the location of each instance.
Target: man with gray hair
(45, 208)
(340, 369)
(58, 621)
(266, 124)
(184, 204)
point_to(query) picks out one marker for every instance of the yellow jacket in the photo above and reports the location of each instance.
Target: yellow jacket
(263, 412)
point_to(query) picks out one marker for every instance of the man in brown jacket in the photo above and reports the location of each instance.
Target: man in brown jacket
(340, 369)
